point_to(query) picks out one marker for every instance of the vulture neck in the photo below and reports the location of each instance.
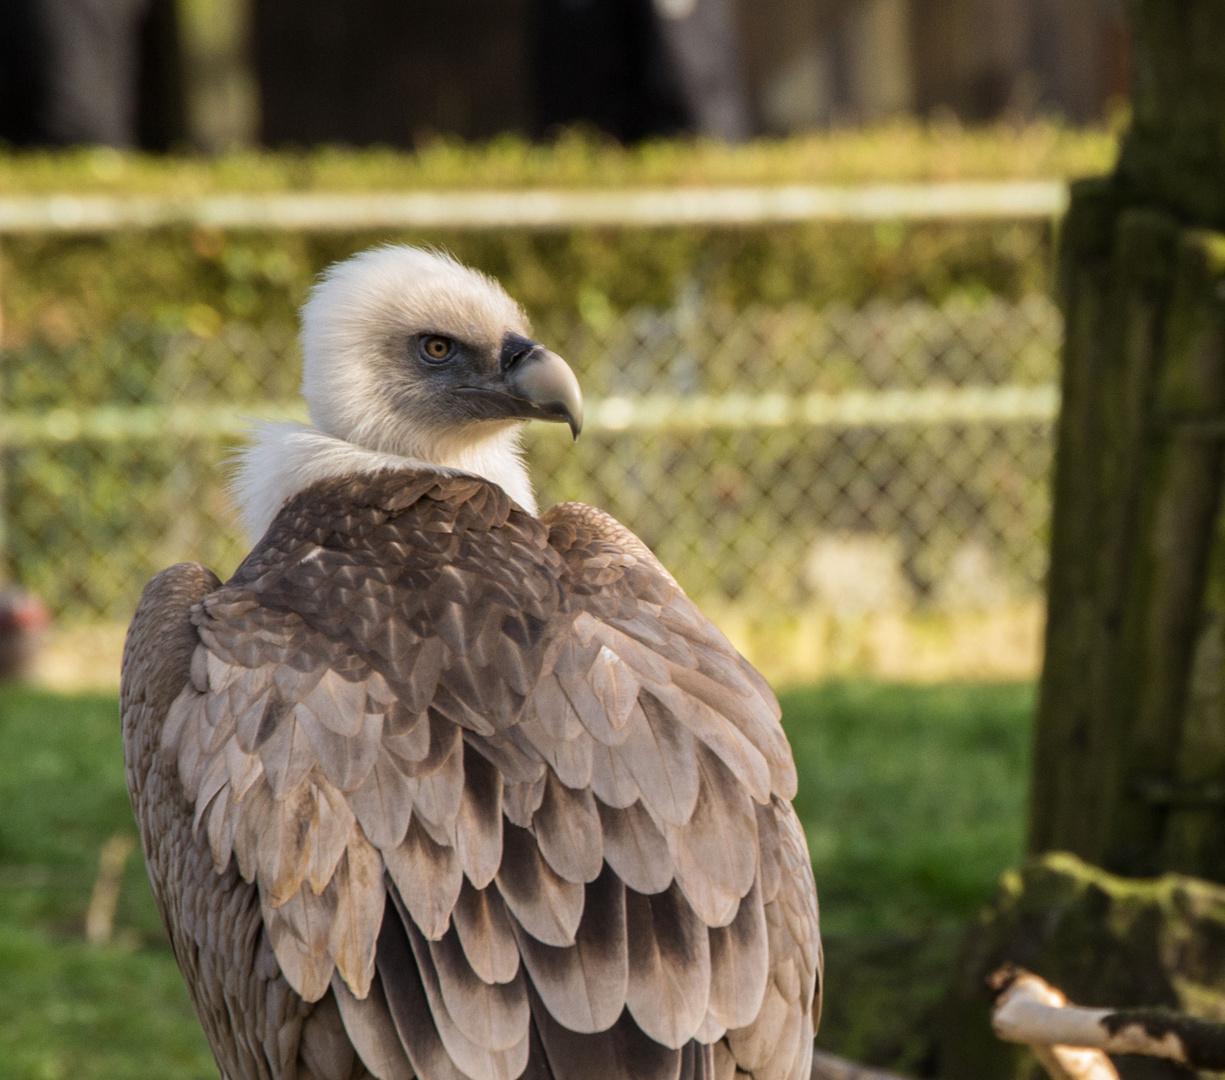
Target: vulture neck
(284, 459)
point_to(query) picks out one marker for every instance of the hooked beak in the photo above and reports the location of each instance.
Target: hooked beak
(544, 380)
(534, 384)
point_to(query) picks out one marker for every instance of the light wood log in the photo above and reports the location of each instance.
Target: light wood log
(1072, 1042)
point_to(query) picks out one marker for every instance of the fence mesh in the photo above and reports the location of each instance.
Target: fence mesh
(844, 459)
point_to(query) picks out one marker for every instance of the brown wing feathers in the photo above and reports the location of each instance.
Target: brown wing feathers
(500, 786)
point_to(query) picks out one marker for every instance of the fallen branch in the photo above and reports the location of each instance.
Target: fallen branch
(100, 917)
(831, 1067)
(1072, 1042)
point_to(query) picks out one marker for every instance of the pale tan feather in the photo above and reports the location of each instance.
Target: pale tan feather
(406, 735)
(491, 1015)
(710, 724)
(785, 1051)
(570, 759)
(222, 823)
(478, 826)
(485, 932)
(333, 826)
(724, 1063)
(513, 757)
(287, 756)
(440, 790)
(383, 804)
(198, 673)
(709, 1031)
(550, 703)
(337, 703)
(568, 832)
(621, 1052)
(215, 778)
(611, 781)
(546, 905)
(715, 852)
(308, 972)
(186, 710)
(669, 966)
(584, 986)
(635, 848)
(600, 687)
(469, 1058)
(345, 759)
(756, 720)
(428, 878)
(244, 769)
(372, 1031)
(769, 859)
(307, 918)
(753, 1044)
(739, 964)
(660, 754)
(282, 847)
(521, 801)
(359, 913)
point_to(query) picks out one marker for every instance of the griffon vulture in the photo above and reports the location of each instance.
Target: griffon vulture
(436, 785)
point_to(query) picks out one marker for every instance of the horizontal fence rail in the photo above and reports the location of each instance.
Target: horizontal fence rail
(659, 412)
(536, 209)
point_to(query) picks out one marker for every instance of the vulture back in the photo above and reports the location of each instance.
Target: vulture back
(434, 787)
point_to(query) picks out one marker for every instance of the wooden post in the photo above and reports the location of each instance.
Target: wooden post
(1131, 720)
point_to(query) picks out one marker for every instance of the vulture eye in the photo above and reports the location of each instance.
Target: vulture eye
(435, 349)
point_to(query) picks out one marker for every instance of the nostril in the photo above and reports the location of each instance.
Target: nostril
(515, 349)
(514, 360)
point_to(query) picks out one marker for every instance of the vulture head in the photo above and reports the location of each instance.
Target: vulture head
(409, 358)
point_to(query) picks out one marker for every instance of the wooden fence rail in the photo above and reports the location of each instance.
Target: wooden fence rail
(539, 209)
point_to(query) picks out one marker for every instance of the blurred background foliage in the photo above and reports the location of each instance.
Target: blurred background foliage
(203, 317)
(900, 151)
(912, 797)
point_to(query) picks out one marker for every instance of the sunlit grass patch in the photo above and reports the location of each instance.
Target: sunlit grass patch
(87, 1012)
(913, 799)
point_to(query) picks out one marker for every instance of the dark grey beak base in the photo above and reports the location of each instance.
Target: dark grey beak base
(534, 384)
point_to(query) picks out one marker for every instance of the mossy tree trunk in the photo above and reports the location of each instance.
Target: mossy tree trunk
(1129, 767)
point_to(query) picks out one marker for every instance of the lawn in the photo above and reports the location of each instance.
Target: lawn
(913, 799)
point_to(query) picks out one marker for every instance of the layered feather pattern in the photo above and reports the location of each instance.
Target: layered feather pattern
(511, 805)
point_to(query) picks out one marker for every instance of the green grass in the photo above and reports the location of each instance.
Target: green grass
(69, 1009)
(912, 799)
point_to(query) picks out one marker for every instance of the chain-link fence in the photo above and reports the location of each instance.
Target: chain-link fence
(889, 458)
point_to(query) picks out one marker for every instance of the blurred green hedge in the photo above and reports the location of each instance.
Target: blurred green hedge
(896, 152)
(67, 300)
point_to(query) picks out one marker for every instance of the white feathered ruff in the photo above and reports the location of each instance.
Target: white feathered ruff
(284, 459)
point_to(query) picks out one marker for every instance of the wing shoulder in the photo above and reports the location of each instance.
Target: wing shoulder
(632, 605)
(156, 658)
